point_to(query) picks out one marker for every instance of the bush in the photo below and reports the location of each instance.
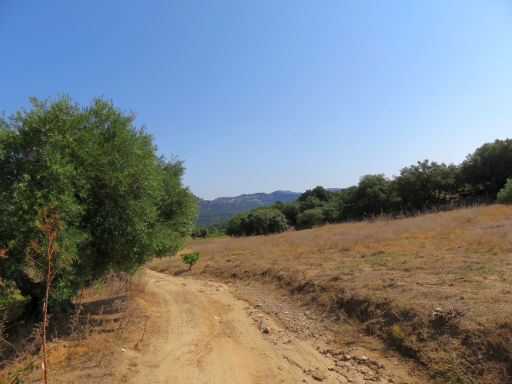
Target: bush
(258, 221)
(190, 258)
(310, 218)
(505, 194)
(200, 232)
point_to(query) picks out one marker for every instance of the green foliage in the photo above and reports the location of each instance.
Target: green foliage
(489, 167)
(426, 185)
(224, 208)
(330, 213)
(421, 186)
(319, 193)
(505, 194)
(310, 218)
(374, 195)
(310, 202)
(217, 229)
(199, 233)
(16, 376)
(210, 230)
(258, 221)
(121, 204)
(290, 211)
(234, 227)
(190, 258)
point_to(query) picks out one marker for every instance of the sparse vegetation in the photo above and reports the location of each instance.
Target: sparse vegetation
(436, 287)
(81, 346)
(47, 258)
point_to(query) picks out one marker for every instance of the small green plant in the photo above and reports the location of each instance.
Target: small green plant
(190, 258)
(98, 286)
(16, 376)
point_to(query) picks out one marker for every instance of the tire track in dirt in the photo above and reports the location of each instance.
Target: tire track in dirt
(200, 333)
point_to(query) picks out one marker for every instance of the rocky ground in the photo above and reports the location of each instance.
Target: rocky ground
(202, 331)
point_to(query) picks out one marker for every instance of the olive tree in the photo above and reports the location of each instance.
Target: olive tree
(120, 203)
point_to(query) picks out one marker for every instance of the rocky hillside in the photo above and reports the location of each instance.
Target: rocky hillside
(223, 208)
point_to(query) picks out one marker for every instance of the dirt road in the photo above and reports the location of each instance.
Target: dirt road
(202, 334)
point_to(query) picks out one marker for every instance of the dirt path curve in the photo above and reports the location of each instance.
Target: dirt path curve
(205, 335)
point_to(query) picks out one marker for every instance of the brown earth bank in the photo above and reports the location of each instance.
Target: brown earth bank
(436, 288)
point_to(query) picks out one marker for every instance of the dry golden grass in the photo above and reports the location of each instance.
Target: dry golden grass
(438, 287)
(109, 313)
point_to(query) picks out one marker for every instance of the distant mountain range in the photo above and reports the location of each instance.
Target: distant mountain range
(223, 208)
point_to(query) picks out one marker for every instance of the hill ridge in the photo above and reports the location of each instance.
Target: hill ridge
(223, 208)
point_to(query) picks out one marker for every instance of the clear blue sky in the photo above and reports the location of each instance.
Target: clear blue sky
(256, 96)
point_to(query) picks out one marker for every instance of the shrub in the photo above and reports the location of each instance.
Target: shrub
(200, 232)
(310, 218)
(505, 195)
(190, 258)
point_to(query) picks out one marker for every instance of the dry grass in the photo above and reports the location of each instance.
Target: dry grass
(84, 345)
(438, 287)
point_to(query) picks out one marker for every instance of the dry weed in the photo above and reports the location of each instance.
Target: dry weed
(392, 275)
(105, 313)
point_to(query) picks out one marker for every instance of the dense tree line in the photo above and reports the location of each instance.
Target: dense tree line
(422, 186)
(258, 221)
(120, 203)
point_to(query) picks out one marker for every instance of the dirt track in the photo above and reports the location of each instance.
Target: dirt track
(205, 335)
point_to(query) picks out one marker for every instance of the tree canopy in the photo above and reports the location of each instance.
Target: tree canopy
(488, 168)
(258, 221)
(120, 203)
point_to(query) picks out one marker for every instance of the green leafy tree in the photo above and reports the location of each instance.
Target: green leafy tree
(345, 201)
(265, 220)
(290, 210)
(330, 213)
(489, 167)
(258, 221)
(374, 195)
(318, 192)
(190, 258)
(311, 202)
(505, 194)
(310, 218)
(426, 184)
(234, 227)
(121, 205)
(200, 232)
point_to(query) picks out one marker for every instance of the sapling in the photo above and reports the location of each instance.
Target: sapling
(190, 258)
(46, 259)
